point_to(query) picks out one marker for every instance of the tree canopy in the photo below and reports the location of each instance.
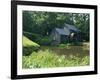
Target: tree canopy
(41, 23)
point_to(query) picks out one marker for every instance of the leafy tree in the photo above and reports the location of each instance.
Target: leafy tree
(42, 23)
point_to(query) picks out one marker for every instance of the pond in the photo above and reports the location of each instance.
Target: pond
(53, 56)
(80, 51)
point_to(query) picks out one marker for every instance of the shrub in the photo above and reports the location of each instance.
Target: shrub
(68, 45)
(62, 45)
(45, 41)
(29, 46)
(32, 36)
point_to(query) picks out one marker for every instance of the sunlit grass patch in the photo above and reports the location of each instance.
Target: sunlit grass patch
(29, 46)
(27, 42)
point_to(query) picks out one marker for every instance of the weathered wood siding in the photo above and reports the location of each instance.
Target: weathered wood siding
(55, 36)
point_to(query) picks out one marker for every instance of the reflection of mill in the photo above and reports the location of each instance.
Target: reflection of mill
(80, 51)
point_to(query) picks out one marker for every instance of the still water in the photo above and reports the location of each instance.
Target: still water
(79, 51)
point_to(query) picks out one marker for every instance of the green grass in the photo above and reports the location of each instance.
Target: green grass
(48, 59)
(27, 42)
(29, 46)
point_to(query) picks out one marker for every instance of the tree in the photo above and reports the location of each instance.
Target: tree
(42, 23)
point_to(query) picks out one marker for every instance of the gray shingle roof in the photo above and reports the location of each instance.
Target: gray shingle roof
(66, 29)
(62, 31)
(71, 27)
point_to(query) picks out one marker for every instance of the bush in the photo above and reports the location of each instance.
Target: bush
(29, 46)
(45, 41)
(32, 36)
(38, 38)
(67, 46)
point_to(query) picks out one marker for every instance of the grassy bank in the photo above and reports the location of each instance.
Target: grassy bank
(47, 58)
(36, 56)
(29, 46)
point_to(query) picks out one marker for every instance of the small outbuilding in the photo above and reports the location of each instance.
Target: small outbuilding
(66, 33)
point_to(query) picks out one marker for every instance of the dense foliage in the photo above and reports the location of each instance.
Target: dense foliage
(47, 58)
(41, 23)
(37, 26)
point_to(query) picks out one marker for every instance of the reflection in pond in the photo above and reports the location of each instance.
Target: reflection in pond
(79, 51)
